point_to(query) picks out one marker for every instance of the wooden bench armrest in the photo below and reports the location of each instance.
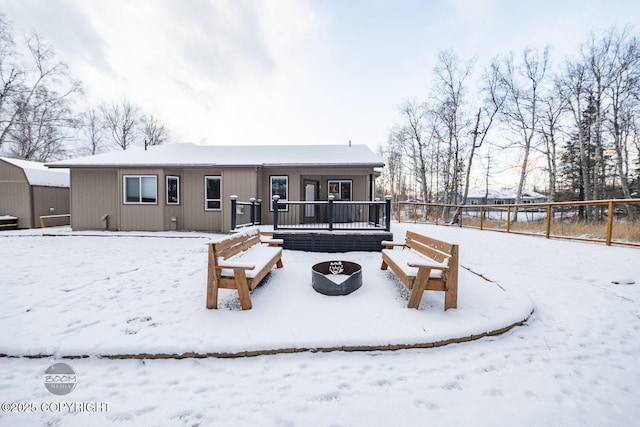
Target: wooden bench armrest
(272, 242)
(389, 244)
(428, 263)
(236, 265)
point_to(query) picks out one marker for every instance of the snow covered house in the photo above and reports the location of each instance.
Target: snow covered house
(29, 190)
(502, 197)
(188, 187)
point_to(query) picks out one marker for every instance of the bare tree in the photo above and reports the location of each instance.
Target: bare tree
(41, 117)
(411, 137)
(10, 75)
(552, 109)
(450, 93)
(485, 117)
(39, 130)
(93, 129)
(522, 85)
(393, 174)
(155, 131)
(35, 113)
(121, 120)
(573, 89)
(623, 92)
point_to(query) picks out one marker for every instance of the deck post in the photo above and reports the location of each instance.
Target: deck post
(259, 212)
(276, 208)
(387, 213)
(330, 212)
(376, 218)
(253, 210)
(234, 207)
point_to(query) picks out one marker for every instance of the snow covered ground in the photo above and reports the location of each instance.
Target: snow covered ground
(574, 362)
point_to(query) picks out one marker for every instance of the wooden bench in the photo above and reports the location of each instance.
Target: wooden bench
(424, 264)
(240, 262)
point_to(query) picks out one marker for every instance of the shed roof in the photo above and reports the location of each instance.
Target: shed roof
(187, 154)
(39, 175)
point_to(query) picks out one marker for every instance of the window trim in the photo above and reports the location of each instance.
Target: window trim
(206, 208)
(140, 202)
(177, 178)
(271, 194)
(339, 182)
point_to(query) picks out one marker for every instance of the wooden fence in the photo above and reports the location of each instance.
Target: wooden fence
(615, 221)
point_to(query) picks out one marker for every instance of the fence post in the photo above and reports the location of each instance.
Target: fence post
(234, 206)
(610, 223)
(548, 225)
(387, 213)
(509, 218)
(330, 212)
(275, 211)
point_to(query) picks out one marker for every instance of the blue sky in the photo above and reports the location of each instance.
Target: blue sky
(292, 71)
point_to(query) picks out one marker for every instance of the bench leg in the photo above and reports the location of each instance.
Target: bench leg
(419, 285)
(212, 284)
(279, 263)
(383, 266)
(451, 294)
(243, 289)
(212, 294)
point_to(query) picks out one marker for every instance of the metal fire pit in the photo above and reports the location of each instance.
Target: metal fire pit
(336, 277)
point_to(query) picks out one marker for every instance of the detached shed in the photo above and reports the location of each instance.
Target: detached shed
(502, 197)
(29, 190)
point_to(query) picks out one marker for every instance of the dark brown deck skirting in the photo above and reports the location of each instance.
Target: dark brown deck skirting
(254, 353)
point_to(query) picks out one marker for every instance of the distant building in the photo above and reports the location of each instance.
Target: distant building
(29, 190)
(502, 197)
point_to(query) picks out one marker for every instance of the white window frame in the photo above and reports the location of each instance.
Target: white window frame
(340, 182)
(177, 178)
(139, 177)
(286, 186)
(206, 200)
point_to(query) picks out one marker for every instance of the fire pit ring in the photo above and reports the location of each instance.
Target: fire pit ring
(336, 277)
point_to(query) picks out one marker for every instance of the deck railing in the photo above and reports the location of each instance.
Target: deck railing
(250, 212)
(331, 215)
(615, 221)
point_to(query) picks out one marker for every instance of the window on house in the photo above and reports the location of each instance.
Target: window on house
(280, 187)
(212, 193)
(341, 190)
(142, 189)
(173, 190)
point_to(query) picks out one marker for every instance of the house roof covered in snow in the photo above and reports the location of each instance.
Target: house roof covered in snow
(39, 175)
(192, 155)
(475, 193)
